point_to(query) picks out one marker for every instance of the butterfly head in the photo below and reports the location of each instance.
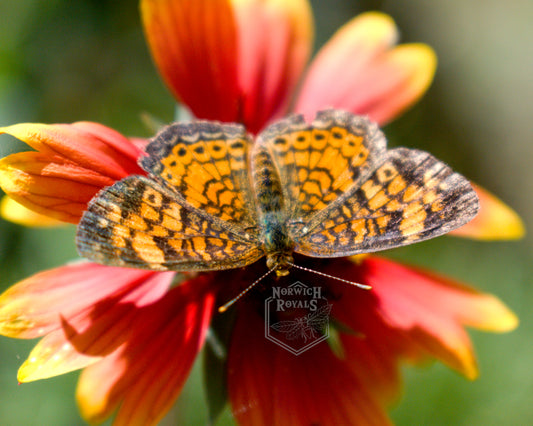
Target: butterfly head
(279, 262)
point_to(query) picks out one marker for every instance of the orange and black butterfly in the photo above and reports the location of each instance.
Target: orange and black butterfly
(216, 198)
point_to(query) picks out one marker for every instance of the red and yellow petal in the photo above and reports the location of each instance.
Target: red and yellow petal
(71, 164)
(359, 70)
(52, 356)
(274, 40)
(256, 52)
(269, 385)
(371, 349)
(77, 294)
(433, 310)
(89, 145)
(94, 332)
(50, 186)
(495, 220)
(194, 45)
(145, 375)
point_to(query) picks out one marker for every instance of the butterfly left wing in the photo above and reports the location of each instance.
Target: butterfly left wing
(206, 165)
(195, 211)
(411, 196)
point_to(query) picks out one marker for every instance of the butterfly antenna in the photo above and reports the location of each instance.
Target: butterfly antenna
(363, 286)
(225, 307)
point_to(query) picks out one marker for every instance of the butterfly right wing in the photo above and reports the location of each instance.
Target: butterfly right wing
(137, 222)
(410, 197)
(319, 162)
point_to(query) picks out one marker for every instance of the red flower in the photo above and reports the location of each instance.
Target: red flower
(410, 315)
(136, 336)
(137, 339)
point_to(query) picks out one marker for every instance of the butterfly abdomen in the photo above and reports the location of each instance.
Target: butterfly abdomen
(267, 184)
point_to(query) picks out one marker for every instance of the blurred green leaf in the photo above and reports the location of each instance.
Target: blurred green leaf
(215, 382)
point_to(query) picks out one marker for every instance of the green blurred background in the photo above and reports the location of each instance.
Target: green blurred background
(63, 61)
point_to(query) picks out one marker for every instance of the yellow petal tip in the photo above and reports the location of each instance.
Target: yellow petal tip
(506, 321)
(376, 26)
(494, 316)
(421, 62)
(504, 224)
(495, 220)
(14, 212)
(22, 374)
(376, 19)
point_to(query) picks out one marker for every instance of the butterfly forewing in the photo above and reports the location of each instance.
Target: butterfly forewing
(410, 197)
(319, 162)
(207, 164)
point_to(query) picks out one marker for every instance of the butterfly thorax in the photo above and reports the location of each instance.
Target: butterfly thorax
(272, 220)
(277, 244)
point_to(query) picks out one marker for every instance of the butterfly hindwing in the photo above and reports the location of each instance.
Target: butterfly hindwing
(139, 223)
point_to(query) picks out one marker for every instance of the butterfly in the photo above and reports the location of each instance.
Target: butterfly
(215, 197)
